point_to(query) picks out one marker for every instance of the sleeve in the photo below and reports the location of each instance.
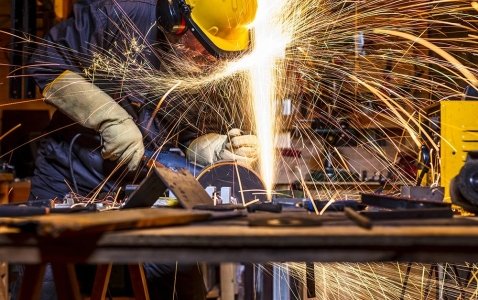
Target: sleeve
(68, 45)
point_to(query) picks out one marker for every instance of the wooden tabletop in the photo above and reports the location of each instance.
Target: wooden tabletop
(235, 241)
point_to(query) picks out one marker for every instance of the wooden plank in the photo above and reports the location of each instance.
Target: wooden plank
(235, 242)
(145, 249)
(98, 222)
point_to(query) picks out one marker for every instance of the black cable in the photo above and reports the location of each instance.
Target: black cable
(70, 162)
(425, 162)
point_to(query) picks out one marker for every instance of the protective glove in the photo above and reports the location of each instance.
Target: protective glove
(88, 105)
(212, 147)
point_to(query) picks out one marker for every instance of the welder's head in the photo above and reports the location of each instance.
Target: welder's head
(221, 26)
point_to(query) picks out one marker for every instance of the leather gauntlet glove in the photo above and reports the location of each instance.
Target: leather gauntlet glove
(212, 147)
(88, 105)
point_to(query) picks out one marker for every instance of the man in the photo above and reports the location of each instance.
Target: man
(98, 134)
(98, 27)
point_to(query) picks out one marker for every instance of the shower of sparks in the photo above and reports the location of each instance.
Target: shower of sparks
(363, 72)
(270, 38)
(386, 281)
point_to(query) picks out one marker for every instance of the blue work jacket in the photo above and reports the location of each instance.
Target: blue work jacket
(69, 158)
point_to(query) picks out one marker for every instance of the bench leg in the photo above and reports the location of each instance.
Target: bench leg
(66, 282)
(102, 278)
(32, 282)
(138, 281)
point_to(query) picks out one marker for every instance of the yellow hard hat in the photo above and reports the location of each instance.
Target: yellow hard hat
(222, 26)
(224, 22)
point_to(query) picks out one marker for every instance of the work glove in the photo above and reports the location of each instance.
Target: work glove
(88, 105)
(212, 147)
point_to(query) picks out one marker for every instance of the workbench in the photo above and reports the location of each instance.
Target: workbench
(234, 241)
(337, 239)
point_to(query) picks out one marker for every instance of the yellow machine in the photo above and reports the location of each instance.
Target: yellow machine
(453, 126)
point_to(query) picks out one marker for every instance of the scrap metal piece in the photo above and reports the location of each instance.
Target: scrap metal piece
(423, 193)
(407, 214)
(182, 183)
(357, 218)
(393, 202)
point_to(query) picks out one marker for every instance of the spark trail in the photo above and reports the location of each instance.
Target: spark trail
(389, 281)
(364, 70)
(270, 39)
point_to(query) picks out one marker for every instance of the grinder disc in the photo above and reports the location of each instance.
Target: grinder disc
(245, 184)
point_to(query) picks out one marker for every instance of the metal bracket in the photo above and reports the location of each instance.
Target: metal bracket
(182, 183)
